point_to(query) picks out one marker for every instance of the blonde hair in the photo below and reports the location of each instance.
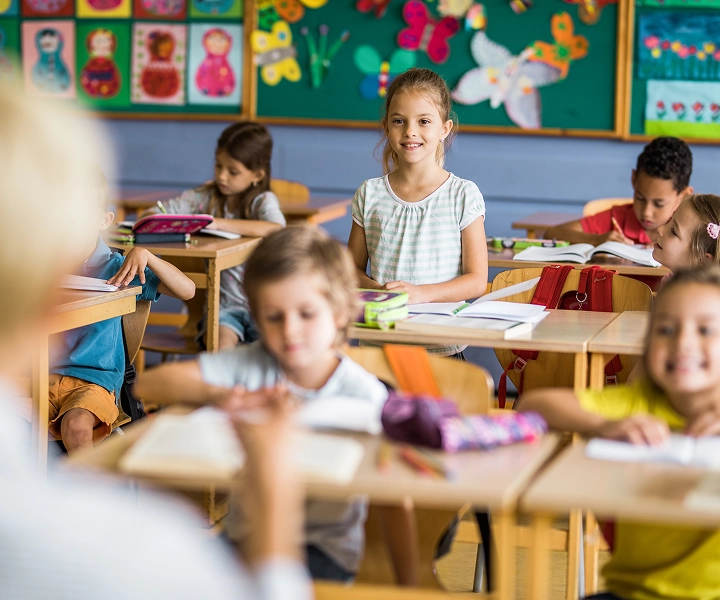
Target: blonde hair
(305, 250)
(707, 209)
(48, 208)
(429, 84)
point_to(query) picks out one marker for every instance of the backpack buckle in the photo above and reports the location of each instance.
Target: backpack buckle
(581, 301)
(519, 365)
(611, 380)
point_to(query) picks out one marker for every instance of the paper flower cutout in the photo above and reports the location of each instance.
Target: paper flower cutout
(589, 11)
(567, 47)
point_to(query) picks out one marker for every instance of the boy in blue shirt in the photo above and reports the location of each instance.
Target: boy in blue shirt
(88, 363)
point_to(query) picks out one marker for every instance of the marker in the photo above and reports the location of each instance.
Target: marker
(161, 207)
(616, 226)
(459, 308)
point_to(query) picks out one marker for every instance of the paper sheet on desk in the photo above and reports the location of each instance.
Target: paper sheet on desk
(89, 284)
(677, 449)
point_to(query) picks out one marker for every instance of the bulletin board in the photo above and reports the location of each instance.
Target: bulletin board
(129, 58)
(542, 70)
(673, 87)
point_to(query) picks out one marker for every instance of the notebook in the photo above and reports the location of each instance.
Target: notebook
(203, 445)
(678, 449)
(489, 329)
(582, 253)
(341, 412)
(90, 284)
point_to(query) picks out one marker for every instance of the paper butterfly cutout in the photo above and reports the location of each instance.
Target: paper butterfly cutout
(4, 5)
(380, 6)
(567, 46)
(426, 34)
(475, 18)
(589, 10)
(379, 73)
(212, 7)
(275, 54)
(163, 8)
(272, 11)
(505, 79)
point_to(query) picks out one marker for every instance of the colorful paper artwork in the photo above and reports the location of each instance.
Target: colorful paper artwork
(378, 6)
(217, 9)
(167, 10)
(103, 64)
(589, 11)
(475, 18)
(379, 73)
(272, 11)
(678, 45)
(454, 8)
(319, 54)
(46, 8)
(568, 47)
(679, 3)
(426, 34)
(215, 64)
(48, 58)
(520, 6)
(505, 79)
(9, 51)
(158, 63)
(683, 108)
(104, 9)
(275, 54)
(8, 8)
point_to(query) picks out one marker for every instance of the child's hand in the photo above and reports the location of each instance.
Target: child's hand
(135, 263)
(415, 294)
(616, 236)
(706, 423)
(639, 429)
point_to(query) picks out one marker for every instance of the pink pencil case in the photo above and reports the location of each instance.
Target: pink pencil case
(172, 223)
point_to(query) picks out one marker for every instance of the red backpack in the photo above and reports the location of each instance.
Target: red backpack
(594, 293)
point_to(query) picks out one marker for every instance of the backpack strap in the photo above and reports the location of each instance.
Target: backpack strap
(601, 301)
(412, 369)
(547, 294)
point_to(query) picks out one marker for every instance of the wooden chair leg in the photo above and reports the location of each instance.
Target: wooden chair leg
(592, 553)
(574, 549)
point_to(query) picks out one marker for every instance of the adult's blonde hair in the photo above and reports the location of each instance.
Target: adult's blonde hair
(48, 204)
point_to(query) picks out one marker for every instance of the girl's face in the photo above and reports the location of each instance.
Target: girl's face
(297, 323)
(672, 245)
(415, 128)
(233, 177)
(683, 355)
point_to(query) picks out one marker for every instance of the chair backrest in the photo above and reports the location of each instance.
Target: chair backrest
(597, 206)
(553, 369)
(134, 327)
(470, 386)
(290, 192)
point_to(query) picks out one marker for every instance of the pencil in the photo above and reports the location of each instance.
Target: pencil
(616, 226)
(418, 462)
(161, 207)
(384, 456)
(437, 464)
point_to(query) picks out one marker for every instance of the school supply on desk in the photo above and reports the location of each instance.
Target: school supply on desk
(677, 449)
(341, 412)
(487, 329)
(521, 243)
(381, 309)
(164, 223)
(203, 445)
(423, 463)
(89, 284)
(583, 253)
(227, 235)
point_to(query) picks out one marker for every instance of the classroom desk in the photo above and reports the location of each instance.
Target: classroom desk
(493, 479)
(625, 335)
(317, 210)
(220, 254)
(642, 492)
(536, 223)
(567, 331)
(74, 309)
(504, 259)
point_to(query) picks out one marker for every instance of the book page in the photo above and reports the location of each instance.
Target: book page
(435, 308)
(679, 449)
(90, 284)
(642, 256)
(511, 311)
(574, 253)
(228, 235)
(511, 290)
(341, 412)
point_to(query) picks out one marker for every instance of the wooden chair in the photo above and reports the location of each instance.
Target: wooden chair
(290, 192)
(597, 206)
(472, 388)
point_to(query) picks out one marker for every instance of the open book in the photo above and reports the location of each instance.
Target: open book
(228, 235)
(582, 253)
(89, 284)
(679, 449)
(487, 329)
(203, 445)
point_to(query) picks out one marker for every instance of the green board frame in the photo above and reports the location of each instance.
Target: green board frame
(586, 103)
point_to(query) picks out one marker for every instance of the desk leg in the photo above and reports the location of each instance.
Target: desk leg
(213, 303)
(538, 574)
(581, 372)
(506, 552)
(573, 561)
(40, 407)
(592, 553)
(597, 371)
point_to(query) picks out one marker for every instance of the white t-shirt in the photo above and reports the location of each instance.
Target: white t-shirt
(80, 539)
(336, 528)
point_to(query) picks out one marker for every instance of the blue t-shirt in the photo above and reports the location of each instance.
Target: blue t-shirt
(95, 352)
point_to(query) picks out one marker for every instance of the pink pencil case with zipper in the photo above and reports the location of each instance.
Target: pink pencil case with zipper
(172, 223)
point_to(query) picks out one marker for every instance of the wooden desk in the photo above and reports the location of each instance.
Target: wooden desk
(538, 222)
(504, 259)
(317, 210)
(220, 254)
(567, 331)
(642, 492)
(624, 335)
(493, 479)
(74, 309)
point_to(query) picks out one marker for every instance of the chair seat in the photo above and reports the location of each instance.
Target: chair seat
(169, 342)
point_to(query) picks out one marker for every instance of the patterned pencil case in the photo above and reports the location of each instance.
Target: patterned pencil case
(381, 310)
(482, 432)
(172, 223)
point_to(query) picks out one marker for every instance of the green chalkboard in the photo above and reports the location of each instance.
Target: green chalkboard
(583, 102)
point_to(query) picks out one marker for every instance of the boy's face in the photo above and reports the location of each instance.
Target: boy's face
(654, 200)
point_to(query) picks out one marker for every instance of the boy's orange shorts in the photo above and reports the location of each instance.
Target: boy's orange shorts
(67, 393)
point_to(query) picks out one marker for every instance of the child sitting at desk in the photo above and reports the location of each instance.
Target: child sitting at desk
(88, 363)
(680, 392)
(660, 181)
(301, 289)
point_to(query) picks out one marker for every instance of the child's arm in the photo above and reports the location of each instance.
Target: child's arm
(471, 284)
(173, 282)
(245, 227)
(572, 232)
(358, 249)
(179, 382)
(562, 411)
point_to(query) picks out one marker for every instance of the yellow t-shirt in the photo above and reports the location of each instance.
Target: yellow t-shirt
(655, 561)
